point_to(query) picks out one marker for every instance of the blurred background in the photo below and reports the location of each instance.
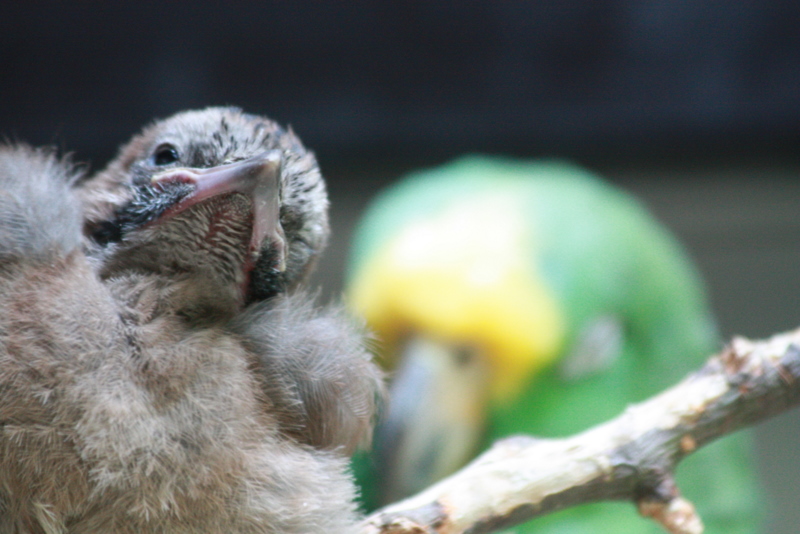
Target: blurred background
(693, 106)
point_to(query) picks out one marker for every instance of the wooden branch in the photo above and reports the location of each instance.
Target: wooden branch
(631, 457)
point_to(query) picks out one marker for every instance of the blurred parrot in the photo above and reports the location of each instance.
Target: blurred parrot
(513, 297)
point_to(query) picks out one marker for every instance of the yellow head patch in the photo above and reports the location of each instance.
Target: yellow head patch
(466, 275)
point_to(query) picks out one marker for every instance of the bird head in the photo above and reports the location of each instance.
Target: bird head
(462, 276)
(444, 271)
(230, 197)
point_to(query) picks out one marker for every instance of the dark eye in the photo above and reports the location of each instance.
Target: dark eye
(165, 154)
(463, 356)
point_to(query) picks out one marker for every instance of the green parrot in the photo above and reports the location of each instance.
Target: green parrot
(514, 297)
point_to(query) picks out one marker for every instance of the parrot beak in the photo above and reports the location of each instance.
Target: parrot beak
(436, 417)
(258, 177)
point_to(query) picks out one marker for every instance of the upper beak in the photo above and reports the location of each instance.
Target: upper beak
(258, 177)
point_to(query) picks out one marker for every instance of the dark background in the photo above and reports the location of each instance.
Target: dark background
(693, 106)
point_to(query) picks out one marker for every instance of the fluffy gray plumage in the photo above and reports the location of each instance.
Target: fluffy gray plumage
(160, 393)
(329, 363)
(51, 225)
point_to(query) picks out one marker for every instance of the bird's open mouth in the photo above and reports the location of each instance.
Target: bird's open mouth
(257, 178)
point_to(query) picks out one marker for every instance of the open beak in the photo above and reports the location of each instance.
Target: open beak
(258, 178)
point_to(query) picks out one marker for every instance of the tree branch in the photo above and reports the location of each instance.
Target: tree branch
(631, 457)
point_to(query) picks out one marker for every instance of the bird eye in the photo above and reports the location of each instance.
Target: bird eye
(463, 356)
(165, 154)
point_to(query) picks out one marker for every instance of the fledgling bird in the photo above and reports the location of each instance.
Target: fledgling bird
(161, 369)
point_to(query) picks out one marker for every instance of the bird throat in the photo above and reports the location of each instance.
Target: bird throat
(229, 224)
(217, 235)
(210, 240)
(221, 231)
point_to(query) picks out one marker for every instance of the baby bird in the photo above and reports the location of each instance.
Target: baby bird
(161, 369)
